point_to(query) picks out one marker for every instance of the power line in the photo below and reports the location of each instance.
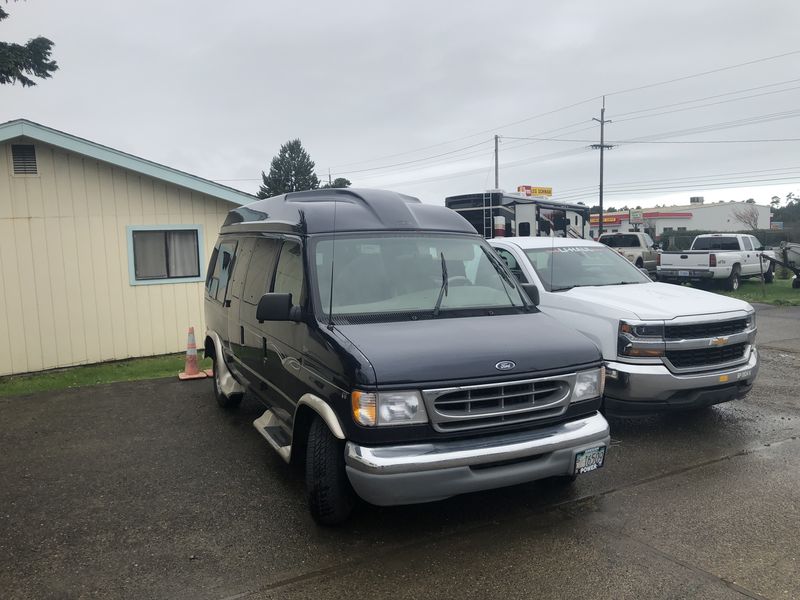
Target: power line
(574, 105)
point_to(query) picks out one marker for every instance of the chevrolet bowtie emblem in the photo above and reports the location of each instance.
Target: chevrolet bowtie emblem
(718, 341)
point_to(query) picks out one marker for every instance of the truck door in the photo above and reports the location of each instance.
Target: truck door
(749, 260)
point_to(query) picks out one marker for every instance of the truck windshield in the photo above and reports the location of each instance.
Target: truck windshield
(715, 243)
(563, 268)
(389, 274)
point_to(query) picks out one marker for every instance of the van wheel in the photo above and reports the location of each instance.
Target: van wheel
(226, 402)
(732, 283)
(330, 496)
(769, 276)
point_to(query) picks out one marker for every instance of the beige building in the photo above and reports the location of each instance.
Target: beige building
(102, 254)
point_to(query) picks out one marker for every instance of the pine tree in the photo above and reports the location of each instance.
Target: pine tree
(18, 62)
(292, 170)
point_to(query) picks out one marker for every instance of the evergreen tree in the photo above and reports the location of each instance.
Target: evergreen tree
(339, 182)
(292, 170)
(19, 63)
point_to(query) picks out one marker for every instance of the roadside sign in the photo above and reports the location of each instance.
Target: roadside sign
(530, 190)
(776, 225)
(636, 217)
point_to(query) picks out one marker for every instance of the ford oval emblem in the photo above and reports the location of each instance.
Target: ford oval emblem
(505, 365)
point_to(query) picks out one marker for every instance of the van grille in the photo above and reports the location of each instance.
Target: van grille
(683, 359)
(472, 407)
(704, 330)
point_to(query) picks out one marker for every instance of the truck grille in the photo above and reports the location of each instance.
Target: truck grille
(683, 359)
(704, 330)
(472, 407)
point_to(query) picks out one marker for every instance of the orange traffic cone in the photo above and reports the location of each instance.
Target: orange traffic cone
(191, 370)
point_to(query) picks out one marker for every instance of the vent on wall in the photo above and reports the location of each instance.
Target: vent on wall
(24, 159)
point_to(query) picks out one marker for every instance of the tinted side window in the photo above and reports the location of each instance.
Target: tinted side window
(512, 264)
(259, 273)
(218, 280)
(289, 272)
(747, 244)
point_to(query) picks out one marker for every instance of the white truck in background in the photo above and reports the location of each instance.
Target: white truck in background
(725, 258)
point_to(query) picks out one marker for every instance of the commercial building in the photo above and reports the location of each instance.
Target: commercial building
(102, 254)
(719, 216)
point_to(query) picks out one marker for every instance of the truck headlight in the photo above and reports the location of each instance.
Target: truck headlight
(751, 320)
(589, 384)
(388, 408)
(640, 340)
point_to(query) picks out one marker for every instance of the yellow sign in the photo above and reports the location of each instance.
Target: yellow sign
(530, 190)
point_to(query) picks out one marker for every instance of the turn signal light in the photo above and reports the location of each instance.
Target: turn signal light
(712, 260)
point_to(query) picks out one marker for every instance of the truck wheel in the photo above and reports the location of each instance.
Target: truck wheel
(796, 283)
(769, 276)
(732, 283)
(330, 496)
(226, 402)
(639, 263)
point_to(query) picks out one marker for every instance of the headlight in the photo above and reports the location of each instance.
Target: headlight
(589, 384)
(388, 408)
(751, 320)
(640, 340)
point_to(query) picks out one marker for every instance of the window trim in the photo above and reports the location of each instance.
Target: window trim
(130, 229)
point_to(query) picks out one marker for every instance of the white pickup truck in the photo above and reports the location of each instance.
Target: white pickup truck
(665, 347)
(726, 258)
(638, 248)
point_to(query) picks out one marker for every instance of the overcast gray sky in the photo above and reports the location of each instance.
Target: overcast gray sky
(407, 96)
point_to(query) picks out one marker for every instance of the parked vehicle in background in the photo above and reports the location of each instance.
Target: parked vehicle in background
(397, 357)
(666, 347)
(726, 258)
(639, 248)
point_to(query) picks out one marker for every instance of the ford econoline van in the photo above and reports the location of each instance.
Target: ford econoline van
(396, 356)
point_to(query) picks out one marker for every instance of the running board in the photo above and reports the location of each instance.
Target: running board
(269, 427)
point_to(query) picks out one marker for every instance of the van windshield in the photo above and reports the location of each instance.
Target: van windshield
(566, 267)
(403, 273)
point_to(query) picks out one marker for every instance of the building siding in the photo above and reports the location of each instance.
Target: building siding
(64, 263)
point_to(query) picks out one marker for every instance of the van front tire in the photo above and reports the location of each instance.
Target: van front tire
(331, 498)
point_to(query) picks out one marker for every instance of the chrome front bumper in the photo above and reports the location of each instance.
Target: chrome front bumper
(413, 473)
(652, 388)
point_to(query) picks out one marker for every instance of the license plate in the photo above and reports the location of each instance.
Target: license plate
(683, 273)
(589, 459)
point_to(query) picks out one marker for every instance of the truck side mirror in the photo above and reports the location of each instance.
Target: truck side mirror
(276, 307)
(532, 291)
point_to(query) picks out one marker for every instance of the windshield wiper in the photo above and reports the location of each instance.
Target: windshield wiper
(443, 289)
(564, 288)
(619, 283)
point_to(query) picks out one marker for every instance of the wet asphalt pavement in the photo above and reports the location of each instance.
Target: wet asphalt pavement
(148, 490)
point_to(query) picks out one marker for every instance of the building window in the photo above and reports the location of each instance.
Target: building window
(667, 229)
(164, 254)
(23, 159)
(681, 228)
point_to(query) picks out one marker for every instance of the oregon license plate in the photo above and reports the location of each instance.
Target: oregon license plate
(684, 273)
(589, 459)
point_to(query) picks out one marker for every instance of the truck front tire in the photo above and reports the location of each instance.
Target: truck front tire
(769, 275)
(331, 498)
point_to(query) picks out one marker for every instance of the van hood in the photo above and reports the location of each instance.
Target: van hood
(658, 300)
(450, 349)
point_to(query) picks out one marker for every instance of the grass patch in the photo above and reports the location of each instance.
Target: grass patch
(124, 370)
(779, 292)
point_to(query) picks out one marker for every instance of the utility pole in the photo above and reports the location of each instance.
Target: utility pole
(602, 146)
(330, 183)
(496, 162)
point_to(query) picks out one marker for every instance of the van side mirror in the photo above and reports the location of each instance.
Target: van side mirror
(532, 291)
(277, 307)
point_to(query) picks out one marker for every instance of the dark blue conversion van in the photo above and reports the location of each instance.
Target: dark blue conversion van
(397, 357)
